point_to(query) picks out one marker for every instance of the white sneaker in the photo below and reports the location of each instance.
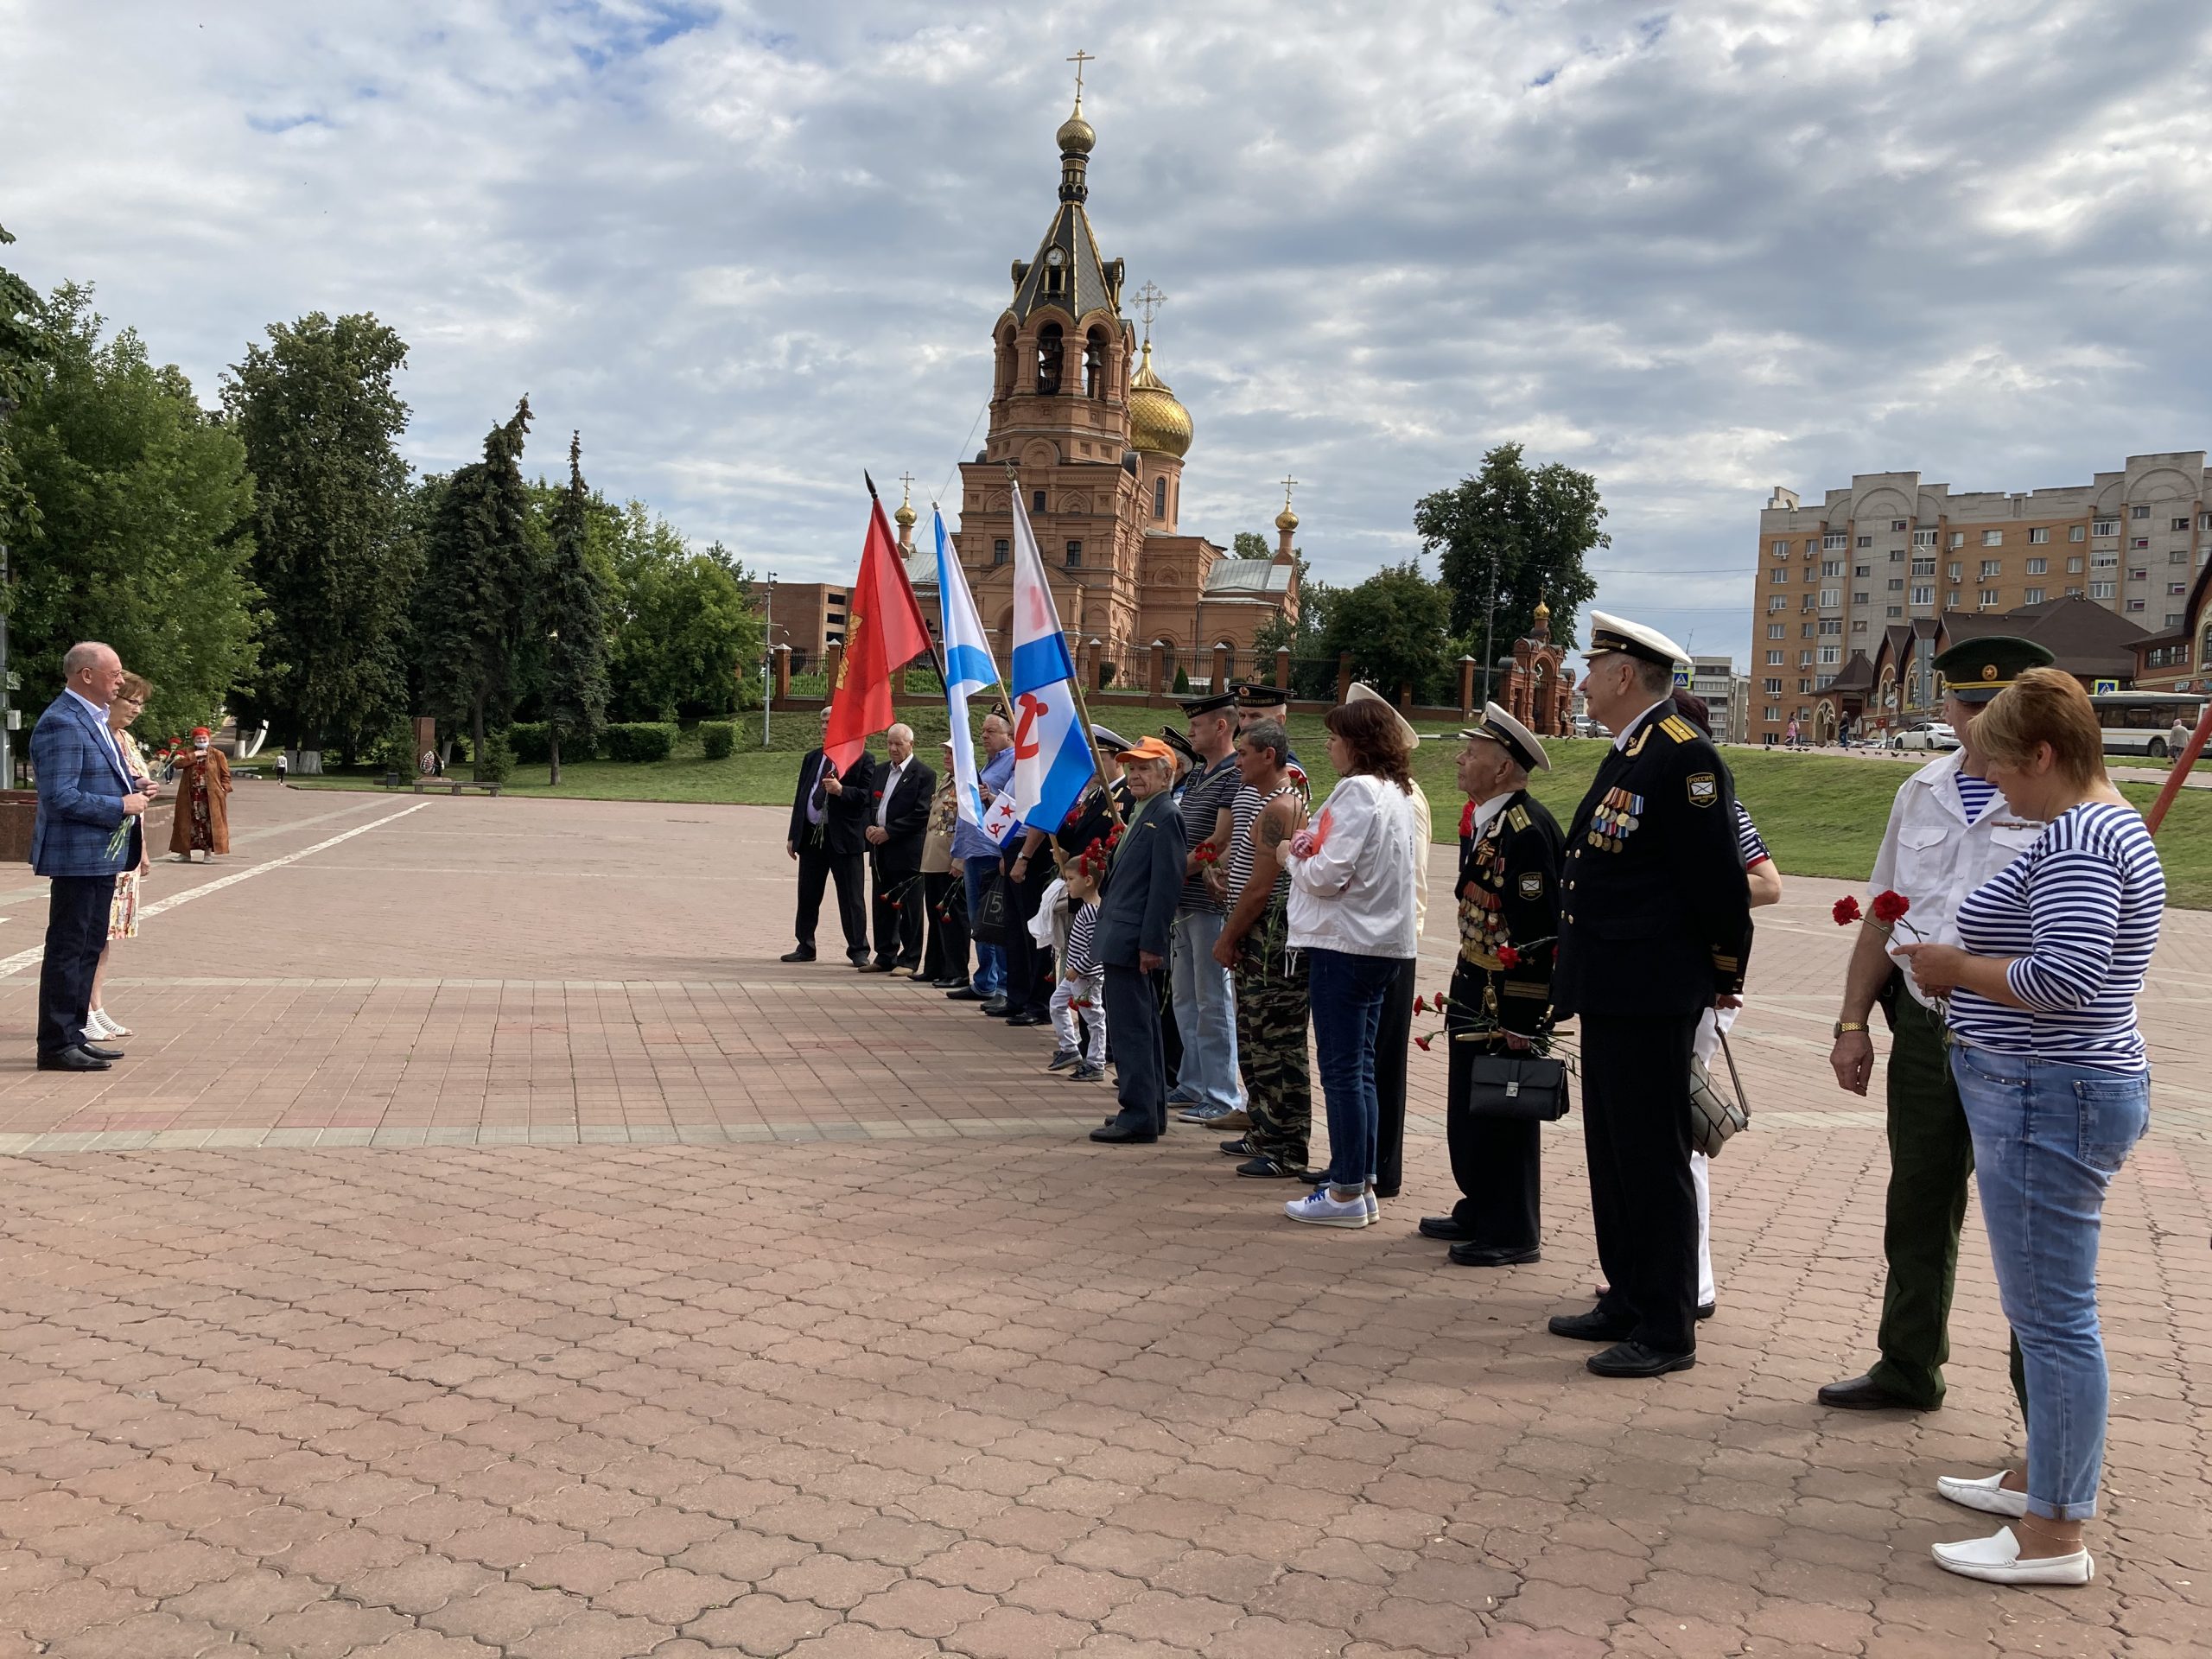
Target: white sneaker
(1997, 1559)
(1319, 1209)
(1989, 1495)
(1374, 1208)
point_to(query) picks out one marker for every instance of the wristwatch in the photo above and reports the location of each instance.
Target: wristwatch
(1842, 1026)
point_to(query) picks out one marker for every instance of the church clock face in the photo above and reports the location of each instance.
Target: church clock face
(1053, 257)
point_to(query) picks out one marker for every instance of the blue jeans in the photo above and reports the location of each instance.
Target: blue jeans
(1205, 1012)
(990, 959)
(2047, 1138)
(1347, 993)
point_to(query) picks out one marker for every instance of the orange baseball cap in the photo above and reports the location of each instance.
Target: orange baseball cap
(1147, 748)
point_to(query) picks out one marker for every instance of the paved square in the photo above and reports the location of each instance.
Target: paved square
(489, 1247)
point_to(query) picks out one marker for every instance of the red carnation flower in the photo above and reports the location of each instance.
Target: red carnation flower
(1422, 1043)
(1466, 820)
(1888, 907)
(1507, 956)
(1421, 1005)
(1846, 910)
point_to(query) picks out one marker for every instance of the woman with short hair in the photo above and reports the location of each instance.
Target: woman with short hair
(122, 911)
(1352, 912)
(2056, 1086)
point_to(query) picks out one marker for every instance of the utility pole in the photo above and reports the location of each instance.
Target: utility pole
(1490, 613)
(767, 659)
(7, 676)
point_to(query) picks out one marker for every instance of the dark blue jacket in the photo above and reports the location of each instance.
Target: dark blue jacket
(1143, 885)
(81, 784)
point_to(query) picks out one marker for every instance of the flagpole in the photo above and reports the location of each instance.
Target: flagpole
(937, 655)
(1075, 681)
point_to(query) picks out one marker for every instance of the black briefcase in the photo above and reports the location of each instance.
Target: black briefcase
(1517, 1085)
(992, 918)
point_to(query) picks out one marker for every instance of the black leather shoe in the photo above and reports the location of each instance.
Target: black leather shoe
(71, 1059)
(1118, 1133)
(1865, 1394)
(99, 1053)
(966, 993)
(874, 967)
(1707, 1310)
(998, 1007)
(1443, 1227)
(1026, 1019)
(1489, 1256)
(1593, 1326)
(1634, 1359)
(858, 958)
(948, 984)
(797, 956)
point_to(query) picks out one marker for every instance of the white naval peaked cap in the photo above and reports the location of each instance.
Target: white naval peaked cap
(1614, 634)
(1512, 736)
(1362, 692)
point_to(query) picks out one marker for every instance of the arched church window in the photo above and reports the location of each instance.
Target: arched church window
(1094, 364)
(1159, 498)
(1006, 361)
(1048, 358)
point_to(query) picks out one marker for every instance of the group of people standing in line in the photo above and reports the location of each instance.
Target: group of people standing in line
(1224, 917)
(94, 786)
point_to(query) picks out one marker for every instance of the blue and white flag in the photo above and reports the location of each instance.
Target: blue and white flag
(1051, 750)
(968, 669)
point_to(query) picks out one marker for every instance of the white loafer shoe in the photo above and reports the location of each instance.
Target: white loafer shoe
(1997, 1559)
(1989, 1495)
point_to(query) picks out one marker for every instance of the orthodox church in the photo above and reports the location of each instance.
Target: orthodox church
(1083, 425)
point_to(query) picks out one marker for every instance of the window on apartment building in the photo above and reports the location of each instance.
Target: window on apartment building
(1831, 625)
(1897, 523)
(2134, 604)
(1773, 689)
(1897, 556)
(2173, 619)
(1808, 605)
(1923, 595)
(1923, 538)
(1989, 567)
(1992, 538)
(1858, 627)
(2074, 592)
(1954, 569)
(2039, 535)
(1001, 551)
(1857, 597)
(1832, 543)
(2138, 542)
(2174, 589)
(2037, 567)
(2073, 565)
(1805, 632)
(1987, 600)
(1831, 567)
(1804, 688)
(1862, 571)
(1830, 596)
(2204, 521)
(1831, 655)
(1777, 630)
(2140, 511)
(1958, 538)
(2104, 527)
(2104, 561)
(1866, 540)
(2103, 589)
(1779, 576)
(1811, 575)
(1923, 567)
(2140, 574)
(1897, 584)
(1778, 602)
(1774, 660)
(1805, 659)
(2179, 555)
(1894, 610)
(2033, 596)
(2180, 523)
(2075, 533)
(1782, 550)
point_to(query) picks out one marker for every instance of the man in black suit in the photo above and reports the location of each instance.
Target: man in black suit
(1144, 879)
(828, 814)
(898, 819)
(1655, 928)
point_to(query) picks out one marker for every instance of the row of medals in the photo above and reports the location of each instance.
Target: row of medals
(1616, 818)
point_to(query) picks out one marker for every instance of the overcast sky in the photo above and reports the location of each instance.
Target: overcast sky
(750, 249)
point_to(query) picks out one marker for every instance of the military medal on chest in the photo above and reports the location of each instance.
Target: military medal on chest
(1616, 819)
(1481, 905)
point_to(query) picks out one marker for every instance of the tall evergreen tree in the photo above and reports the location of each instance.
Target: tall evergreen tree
(334, 551)
(573, 609)
(1525, 527)
(476, 586)
(22, 348)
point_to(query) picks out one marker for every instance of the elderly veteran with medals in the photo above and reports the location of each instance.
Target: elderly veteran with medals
(1509, 893)
(1136, 906)
(1655, 928)
(1949, 833)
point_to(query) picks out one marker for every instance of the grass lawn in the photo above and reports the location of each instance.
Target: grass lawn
(1821, 814)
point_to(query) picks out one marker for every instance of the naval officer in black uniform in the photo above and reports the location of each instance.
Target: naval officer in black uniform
(1508, 893)
(1655, 928)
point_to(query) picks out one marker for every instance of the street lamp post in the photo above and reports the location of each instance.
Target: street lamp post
(767, 659)
(7, 705)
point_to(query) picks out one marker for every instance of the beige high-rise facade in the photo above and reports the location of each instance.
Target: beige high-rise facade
(1835, 574)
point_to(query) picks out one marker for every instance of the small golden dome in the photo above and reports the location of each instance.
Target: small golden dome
(1285, 520)
(1076, 135)
(1543, 612)
(906, 516)
(1158, 424)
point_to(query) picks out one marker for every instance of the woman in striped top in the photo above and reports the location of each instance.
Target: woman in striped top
(2053, 1077)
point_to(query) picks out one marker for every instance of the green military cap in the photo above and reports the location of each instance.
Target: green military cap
(1977, 670)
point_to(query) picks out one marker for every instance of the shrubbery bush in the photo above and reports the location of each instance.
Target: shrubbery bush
(531, 744)
(496, 763)
(717, 738)
(640, 741)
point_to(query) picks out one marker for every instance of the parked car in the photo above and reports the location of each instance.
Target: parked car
(1932, 735)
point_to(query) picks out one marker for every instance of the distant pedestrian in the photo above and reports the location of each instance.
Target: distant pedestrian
(202, 823)
(123, 910)
(2178, 735)
(1789, 736)
(283, 766)
(86, 832)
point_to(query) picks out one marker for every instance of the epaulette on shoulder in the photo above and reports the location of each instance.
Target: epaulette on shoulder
(1680, 730)
(1518, 817)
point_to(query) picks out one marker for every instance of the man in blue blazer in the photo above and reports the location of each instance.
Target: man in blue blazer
(1144, 879)
(85, 795)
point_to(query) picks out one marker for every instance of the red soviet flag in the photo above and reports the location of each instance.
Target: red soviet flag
(884, 632)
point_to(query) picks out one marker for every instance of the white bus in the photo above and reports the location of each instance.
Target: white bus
(2136, 722)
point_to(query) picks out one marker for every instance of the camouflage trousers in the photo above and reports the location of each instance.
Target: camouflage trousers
(1271, 1016)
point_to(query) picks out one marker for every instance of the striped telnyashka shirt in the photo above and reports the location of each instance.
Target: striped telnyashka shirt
(2078, 913)
(1749, 843)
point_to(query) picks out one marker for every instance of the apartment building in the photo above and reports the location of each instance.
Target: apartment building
(1725, 691)
(1835, 574)
(808, 617)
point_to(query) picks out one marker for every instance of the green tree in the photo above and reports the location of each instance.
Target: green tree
(333, 549)
(1251, 544)
(685, 625)
(476, 584)
(1533, 525)
(572, 607)
(1393, 624)
(1313, 665)
(142, 532)
(23, 346)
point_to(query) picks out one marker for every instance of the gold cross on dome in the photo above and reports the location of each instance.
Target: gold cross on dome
(907, 479)
(1080, 58)
(1149, 300)
(1288, 485)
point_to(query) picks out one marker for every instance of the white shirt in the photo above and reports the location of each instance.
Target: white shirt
(1934, 858)
(1486, 814)
(99, 718)
(890, 784)
(1355, 892)
(1620, 740)
(1420, 805)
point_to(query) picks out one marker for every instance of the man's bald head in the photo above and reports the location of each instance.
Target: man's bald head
(93, 671)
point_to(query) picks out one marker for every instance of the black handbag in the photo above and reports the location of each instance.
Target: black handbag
(1517, 1085)
(992, 920)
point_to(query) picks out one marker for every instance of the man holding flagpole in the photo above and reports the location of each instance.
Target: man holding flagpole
(968, 669)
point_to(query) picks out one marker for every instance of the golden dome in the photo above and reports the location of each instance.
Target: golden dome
(1158, 424)
(1285, 520)
(906, 515)
(1076, 135)
(1543, 612)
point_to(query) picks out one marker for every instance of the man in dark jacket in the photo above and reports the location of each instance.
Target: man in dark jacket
(899, 793)
(1144, 879)
(1508, 894)
(85, 833)
(825, 839)
(1655, 928)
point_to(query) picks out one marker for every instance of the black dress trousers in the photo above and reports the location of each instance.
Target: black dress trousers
(76, 931)
(1028, 967)
(1636, 1128)
(1394, 1038)
(899, 906)
(1133, 1022)
(816, 871)
(945, 955)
